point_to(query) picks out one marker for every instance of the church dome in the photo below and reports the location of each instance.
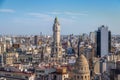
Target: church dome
(81, 64)
(81, 69)
(81, 61)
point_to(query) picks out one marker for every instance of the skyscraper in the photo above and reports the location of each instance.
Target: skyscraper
(56, 46)
(35, 40)
(103, 40)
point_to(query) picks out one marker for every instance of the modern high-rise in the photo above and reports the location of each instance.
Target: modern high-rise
(56, 46)
(35, 40)
(103, 41)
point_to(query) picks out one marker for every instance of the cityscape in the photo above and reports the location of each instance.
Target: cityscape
(47, 40)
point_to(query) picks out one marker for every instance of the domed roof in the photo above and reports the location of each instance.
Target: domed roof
(56, 20)
(81, 61)
(81, 65)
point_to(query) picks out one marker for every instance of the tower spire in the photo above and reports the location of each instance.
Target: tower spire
(79, 41)
(56, 20)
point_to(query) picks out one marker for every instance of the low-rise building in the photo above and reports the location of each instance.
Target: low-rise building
(43, 72)
(10, 58)
(60, 74)
(17, 75)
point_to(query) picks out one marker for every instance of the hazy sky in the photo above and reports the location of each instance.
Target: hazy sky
(75, 16)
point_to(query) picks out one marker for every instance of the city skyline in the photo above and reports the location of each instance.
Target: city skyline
(33, 17)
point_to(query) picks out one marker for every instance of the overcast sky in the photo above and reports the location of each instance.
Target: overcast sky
(75, 16)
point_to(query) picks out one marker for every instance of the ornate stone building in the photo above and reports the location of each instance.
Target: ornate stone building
(81, 69)
(56, 46)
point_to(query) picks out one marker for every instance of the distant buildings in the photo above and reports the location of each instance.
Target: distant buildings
(103, 41)
(92, 37)
(60, 57)
(10, 58)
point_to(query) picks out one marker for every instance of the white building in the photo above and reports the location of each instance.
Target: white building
(92, 37)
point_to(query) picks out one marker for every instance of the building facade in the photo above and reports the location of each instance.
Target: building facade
(56, 46)
(92, 37)
(103, 40)
(81, 69)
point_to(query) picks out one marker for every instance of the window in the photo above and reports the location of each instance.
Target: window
(81, 68)
(56, 49)
(77, 77)
(81, 77)
(74, 76)
(26, 77)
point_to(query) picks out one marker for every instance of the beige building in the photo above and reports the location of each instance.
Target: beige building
(11, 58)
(56, 46)
(2, 47)
(81, 70)
(60, 74)
(96, 65)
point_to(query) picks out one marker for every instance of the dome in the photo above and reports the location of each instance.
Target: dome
(81, 61)
(81, 70)
(81, 65)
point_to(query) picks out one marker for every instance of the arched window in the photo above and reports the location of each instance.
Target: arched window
(81, 68)
(82, 77)
(85, 77)
(55, 77)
